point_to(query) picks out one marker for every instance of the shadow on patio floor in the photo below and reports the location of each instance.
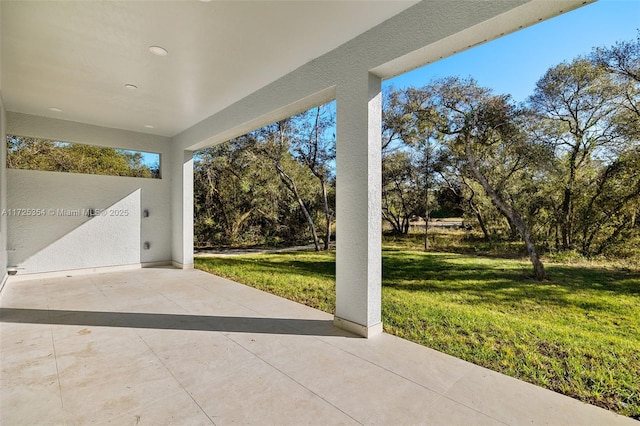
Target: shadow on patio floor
(307, 327)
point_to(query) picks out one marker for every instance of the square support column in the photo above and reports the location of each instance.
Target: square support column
(358, 198)
(182, 209)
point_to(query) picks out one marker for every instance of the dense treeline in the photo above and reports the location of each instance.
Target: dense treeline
(560, 171)
(54, 156)
(271, 186)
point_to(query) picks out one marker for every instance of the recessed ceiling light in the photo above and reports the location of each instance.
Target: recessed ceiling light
(54, 109)
(131, 86)
(158, 51)
(148, 126)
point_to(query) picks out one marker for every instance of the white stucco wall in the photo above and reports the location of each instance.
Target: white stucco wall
(181, 173)
(58, 239)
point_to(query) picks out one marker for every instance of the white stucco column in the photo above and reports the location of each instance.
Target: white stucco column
(182, 208)
(358, 217)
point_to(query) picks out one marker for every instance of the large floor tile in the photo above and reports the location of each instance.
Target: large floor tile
(259, 394)
(427, 367)
(177, 409)
(515, 402)
(197, 357)
(31, 404)
(368, 393)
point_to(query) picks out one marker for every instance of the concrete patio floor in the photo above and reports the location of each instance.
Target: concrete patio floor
(164, 346)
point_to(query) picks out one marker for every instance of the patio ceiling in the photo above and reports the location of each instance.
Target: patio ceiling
(78, 56)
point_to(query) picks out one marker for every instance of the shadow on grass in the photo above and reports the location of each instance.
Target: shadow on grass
(494, 281)
(489, 280)
(459, 242)
(276, 264)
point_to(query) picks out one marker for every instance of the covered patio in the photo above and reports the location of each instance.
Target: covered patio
(166, 346)
(104, 320)
(174, 77)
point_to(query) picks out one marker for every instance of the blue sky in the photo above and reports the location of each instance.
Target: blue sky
(514, 63)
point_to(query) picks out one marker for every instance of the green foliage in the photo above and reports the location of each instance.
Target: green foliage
(559, 171)
(402, 195)
(566, 161)
(576, 334)
(47, 155)
(264, 188)
(410, 158)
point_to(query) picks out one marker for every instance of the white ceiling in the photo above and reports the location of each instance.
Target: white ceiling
(78, 56)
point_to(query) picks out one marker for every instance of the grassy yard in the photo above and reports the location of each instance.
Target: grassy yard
(578, 334)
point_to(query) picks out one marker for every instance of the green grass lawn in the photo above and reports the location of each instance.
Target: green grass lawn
(577, 334)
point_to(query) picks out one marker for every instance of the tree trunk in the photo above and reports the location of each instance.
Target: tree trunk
(566, 220)
(426, 224)
(327, 215)
(478, 214)
(291, 185)
(483, 226)
(237, 224)
(507, 210)
(567, 203)
(392, 219)
(513, 230)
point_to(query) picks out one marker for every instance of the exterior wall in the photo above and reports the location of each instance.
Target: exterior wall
(63, 237)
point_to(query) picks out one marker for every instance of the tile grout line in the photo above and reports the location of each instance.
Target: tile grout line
(152, 351)
(161, 361)
(444, 395)
(55, 354)
(382, 367)
(264, 360)
(226, 335)
(292, 379)
(440, 394)
(321, 339)
(176, 379)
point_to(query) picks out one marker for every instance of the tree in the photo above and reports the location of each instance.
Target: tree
(482, 130)
(610, 209)
(401, 195)
(313, 148)
(465, 193)
(575, 104)
(267, 186)
(47, 155)
(236, 197)
(622, 62)
(276, 144)
(408, 126)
